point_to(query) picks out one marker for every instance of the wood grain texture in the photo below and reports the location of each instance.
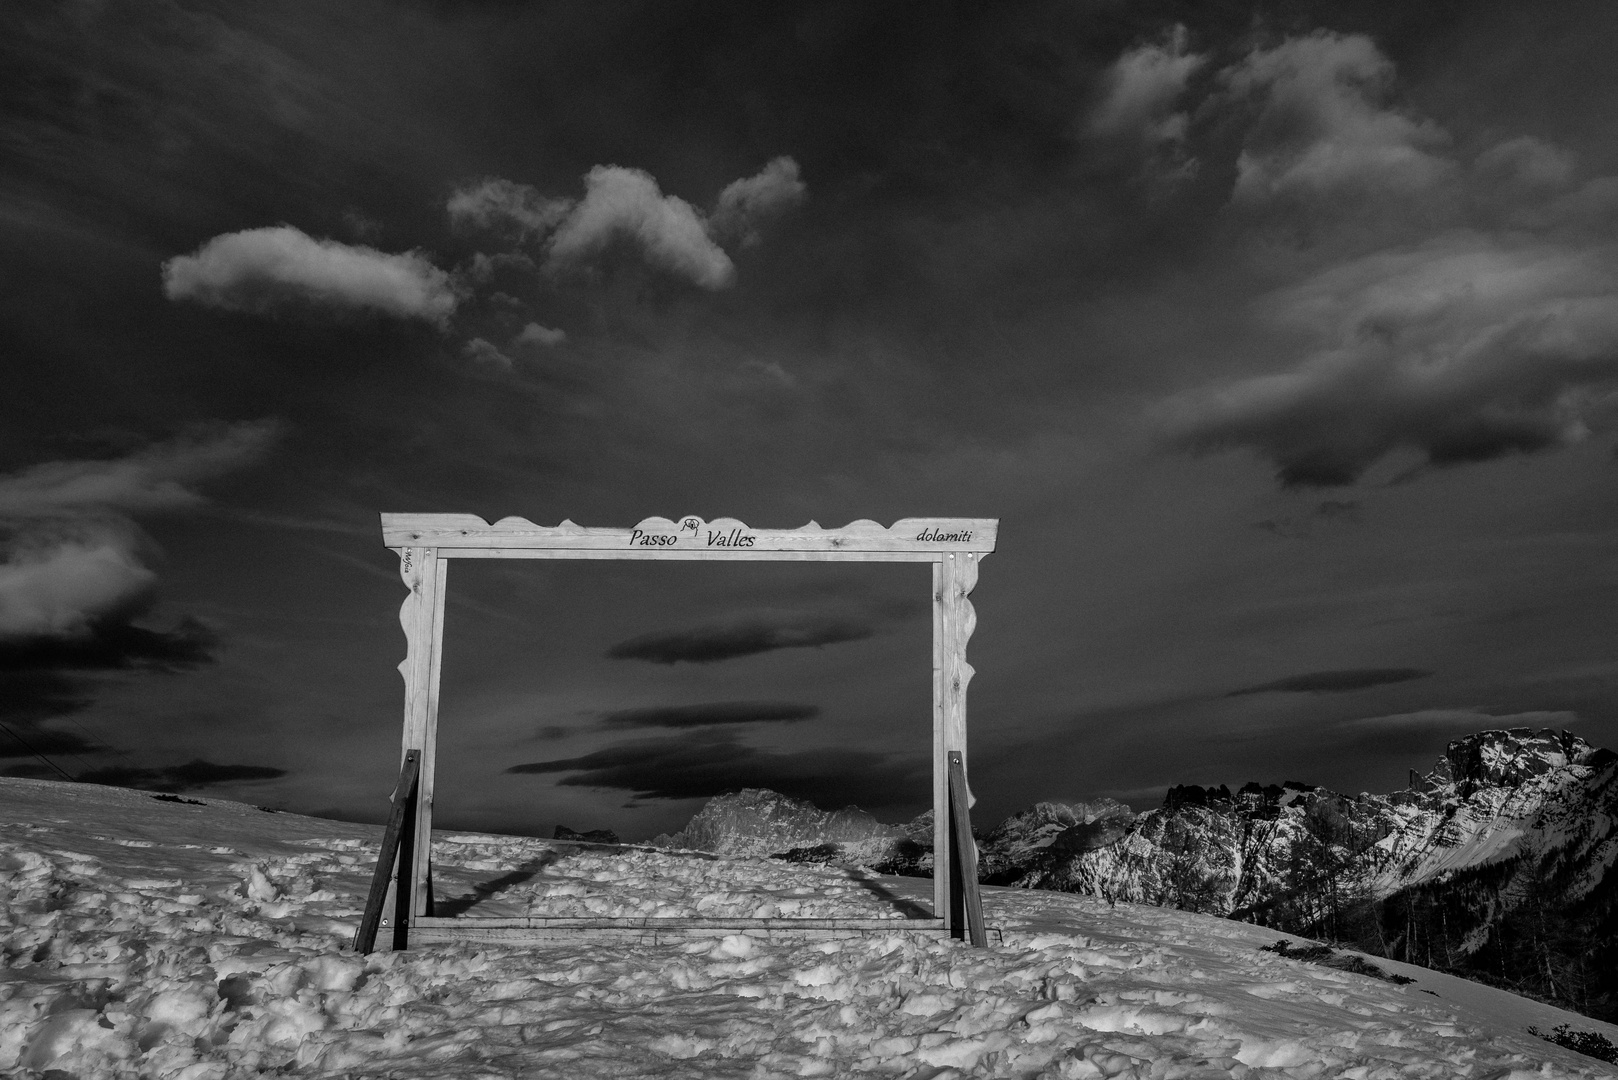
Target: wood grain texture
(691, 536)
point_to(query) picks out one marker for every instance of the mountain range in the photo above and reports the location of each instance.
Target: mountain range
(1495, 864)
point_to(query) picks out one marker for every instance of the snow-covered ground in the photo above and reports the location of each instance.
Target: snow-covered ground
(160, 939)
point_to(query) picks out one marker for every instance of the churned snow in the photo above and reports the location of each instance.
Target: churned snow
(146, 938)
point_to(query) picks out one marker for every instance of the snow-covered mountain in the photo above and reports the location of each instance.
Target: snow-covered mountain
(200, 939)
(756, 821)
(1496, 863)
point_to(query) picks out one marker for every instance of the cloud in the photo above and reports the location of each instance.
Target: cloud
(717, 712)
(704, 764)
(1526, 163)
(71, 557)
(712, 642)
(171, 778)
(1321, 131)
(1334, 682)
(58, 590)
(1463, 349)
(154, 479)
(111, 645)
(1467, 720)
(261, 270)
(1141, 91)
(746, 204)
(622, 204)
(480, 351)
(541, 336)
(493, 203)
(626, 206)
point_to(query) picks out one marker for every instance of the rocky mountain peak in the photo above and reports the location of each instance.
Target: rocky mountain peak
(1051, 818)
(1506, 758)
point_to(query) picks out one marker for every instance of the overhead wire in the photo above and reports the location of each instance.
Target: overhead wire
(59, 770)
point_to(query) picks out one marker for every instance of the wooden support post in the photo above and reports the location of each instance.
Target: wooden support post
(966, 900)
(387, 859)
(954, 576)
(941, 861)
(422, 617)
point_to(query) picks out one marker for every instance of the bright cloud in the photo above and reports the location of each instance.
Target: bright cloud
(259, 270)
(1142, 90)
(1321, 129)
(747, 203)
(1463, 348)
(626, 204)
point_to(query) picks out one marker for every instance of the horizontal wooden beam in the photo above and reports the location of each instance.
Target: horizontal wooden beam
(691, 537)
(539, 931)
(677, 923)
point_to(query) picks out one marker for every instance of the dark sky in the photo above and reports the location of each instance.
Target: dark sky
(1282, 339)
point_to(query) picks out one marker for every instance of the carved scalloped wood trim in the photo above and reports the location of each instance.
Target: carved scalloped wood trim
(690, 536)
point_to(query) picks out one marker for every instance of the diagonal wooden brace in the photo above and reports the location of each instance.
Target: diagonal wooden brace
(965, 899)
(389, 863)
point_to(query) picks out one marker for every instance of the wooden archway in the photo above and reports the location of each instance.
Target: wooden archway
(401, 895)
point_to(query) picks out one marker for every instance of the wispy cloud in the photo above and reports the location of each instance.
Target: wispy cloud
(188, 777)
(714, 712)
(1462, 720)
(264, 270)
(744, 636)
(495, 203)
(70, 552)
(1334, 682)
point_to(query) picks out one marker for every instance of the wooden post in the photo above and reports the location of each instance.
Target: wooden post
(954, 576)
(422, 617)
(941, 861)
(387, 859)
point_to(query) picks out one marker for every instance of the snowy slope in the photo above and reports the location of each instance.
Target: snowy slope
(160, 939)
